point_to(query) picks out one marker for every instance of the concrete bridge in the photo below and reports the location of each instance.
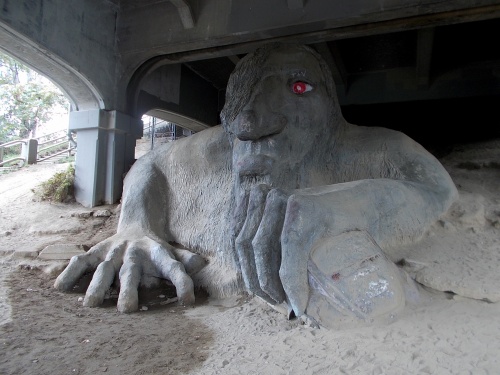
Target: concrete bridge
(116, 60)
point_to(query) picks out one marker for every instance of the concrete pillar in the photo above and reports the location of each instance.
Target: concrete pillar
(106, 151)
(29, 151)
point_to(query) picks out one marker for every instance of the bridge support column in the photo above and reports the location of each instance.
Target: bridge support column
(105, 152)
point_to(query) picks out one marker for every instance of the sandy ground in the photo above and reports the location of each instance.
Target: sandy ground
(455, 329)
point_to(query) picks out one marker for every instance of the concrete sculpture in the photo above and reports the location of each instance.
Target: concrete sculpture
(285, 200)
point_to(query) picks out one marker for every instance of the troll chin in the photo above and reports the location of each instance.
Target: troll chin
(256, 169)
(255, 165)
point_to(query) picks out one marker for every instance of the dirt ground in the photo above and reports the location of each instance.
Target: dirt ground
(455, 329)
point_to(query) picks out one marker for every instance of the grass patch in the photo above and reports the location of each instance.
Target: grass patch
(59, 188)
(67, 159)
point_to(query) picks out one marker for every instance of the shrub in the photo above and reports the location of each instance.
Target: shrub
(59, 188)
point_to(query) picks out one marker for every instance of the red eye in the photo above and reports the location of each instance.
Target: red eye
(301, 87)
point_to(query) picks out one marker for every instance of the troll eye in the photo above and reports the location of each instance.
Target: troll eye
(301, 87)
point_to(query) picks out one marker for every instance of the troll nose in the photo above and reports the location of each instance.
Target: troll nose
(249, 126)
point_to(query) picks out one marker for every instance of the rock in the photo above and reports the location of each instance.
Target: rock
(65, 225)
(61, 252)
(83, 215)
(102, 213)
(25, 253)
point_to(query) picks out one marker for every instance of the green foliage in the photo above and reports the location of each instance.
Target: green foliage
(59, 188)
(67, 159)
(27, 99)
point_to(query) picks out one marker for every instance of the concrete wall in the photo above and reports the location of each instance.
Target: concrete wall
(223, 27)
(175, 88)
(71, 41)
(93, 48)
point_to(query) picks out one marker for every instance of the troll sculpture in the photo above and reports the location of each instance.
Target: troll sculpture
(285, 200)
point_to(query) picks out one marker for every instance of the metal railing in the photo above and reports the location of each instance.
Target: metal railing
(55, 144)
(158, 128)
(8, 145)
(40, 149)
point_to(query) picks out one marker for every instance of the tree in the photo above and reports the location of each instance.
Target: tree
(27, 100)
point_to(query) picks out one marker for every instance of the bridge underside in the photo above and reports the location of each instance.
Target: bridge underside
(429, 68)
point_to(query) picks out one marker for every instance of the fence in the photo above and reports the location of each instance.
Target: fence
(37, 150)
(157, 128)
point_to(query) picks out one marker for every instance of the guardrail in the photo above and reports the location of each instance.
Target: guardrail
(158, 128)
(55, 144)
(43, 148)
(22, 142)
